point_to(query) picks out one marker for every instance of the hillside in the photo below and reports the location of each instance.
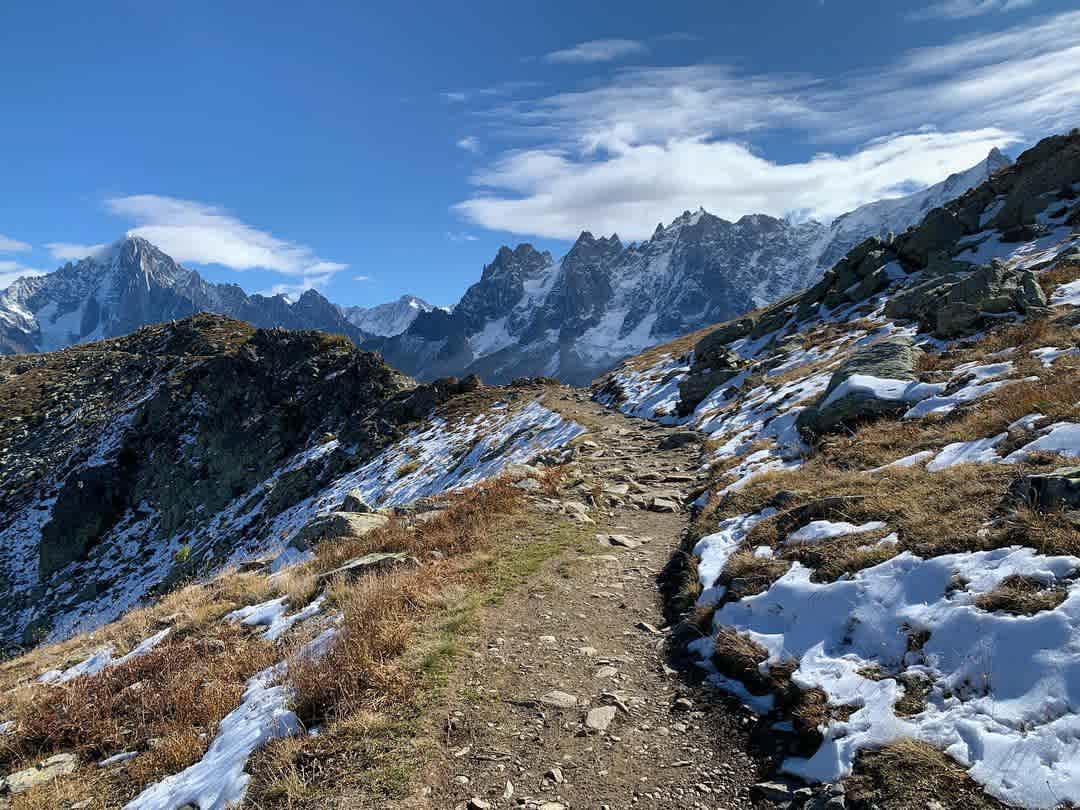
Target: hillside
(887, 547)
(264, 568)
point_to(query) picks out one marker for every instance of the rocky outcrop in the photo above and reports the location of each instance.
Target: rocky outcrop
(927, 270)
(713, 365)
(1050, 491)
(337, 525)
(116, 456)
(956, 304)
(844, 403)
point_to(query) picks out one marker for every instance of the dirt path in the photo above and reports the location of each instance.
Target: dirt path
(567, 701)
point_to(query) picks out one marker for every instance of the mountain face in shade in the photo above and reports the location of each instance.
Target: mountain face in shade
(131, 284)
(575, 318)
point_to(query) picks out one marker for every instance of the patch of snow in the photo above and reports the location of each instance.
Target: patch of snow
(1048, 354)
(102, 660)
(714, 550)
(1067, 294)
(1061, 437)
(914, 460)
(818, 530)
(1003, 697)
(977, 451)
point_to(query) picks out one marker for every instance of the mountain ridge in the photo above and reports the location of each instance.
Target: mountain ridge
(603, 301)
(528, 315)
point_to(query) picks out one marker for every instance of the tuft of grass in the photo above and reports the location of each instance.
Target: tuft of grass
(1022, 596)
(407, 468)
(903, 774)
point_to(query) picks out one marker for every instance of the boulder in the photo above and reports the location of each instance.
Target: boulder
(354, 502)
(337, 524)
(598, 719)
(43, 773)
(679, 438)
(369, 563)
(558, 699)
(957, 304)
(891, 359)
(713, 366)
(1055, 490)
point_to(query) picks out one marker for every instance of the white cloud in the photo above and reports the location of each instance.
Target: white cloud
(629, 192)
(71, 252)
(460, 236)
(648, 143)
(191, 231)
(962, 9)
(470, 144)
(361, 278)
(9, 245)
(11, 271)
(596, 50)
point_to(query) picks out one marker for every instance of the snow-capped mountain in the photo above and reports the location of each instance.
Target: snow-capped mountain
(575, 318)
(897, 215)
(391, 318)
(131, 284)
(528, 315)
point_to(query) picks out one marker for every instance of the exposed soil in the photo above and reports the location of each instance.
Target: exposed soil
(591, 625)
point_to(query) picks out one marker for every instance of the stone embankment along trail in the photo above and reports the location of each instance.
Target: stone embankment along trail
(568, 700)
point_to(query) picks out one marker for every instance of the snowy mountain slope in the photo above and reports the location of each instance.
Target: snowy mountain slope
(603, 301)
(880, 450)
(897, 215)
(391, 318)
(129, 465)
(130, 284)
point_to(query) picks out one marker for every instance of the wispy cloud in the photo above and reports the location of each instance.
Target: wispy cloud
(596, 50)
(650, 142)
(460, 236)
(962, 9)
(507, 88)
(9, 245)
(72, 252)
(10, 271)
(361, 278)
(470, 143)
(192, 231)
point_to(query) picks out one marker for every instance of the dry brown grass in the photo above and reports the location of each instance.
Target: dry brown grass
(166, 705)
(381, 611)
(186, 610)
(1053, 278)
(1022, 596)
(907, 774)
(738, 657)
(182, 685)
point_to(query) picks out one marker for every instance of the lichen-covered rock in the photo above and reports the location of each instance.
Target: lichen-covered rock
(1059, 489)
(958, 304)
(347, 525)
(44, 772)
(891, 359)
(714, 364)
(354, 502)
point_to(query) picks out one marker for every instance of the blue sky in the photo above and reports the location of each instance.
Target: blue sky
(375, 151)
